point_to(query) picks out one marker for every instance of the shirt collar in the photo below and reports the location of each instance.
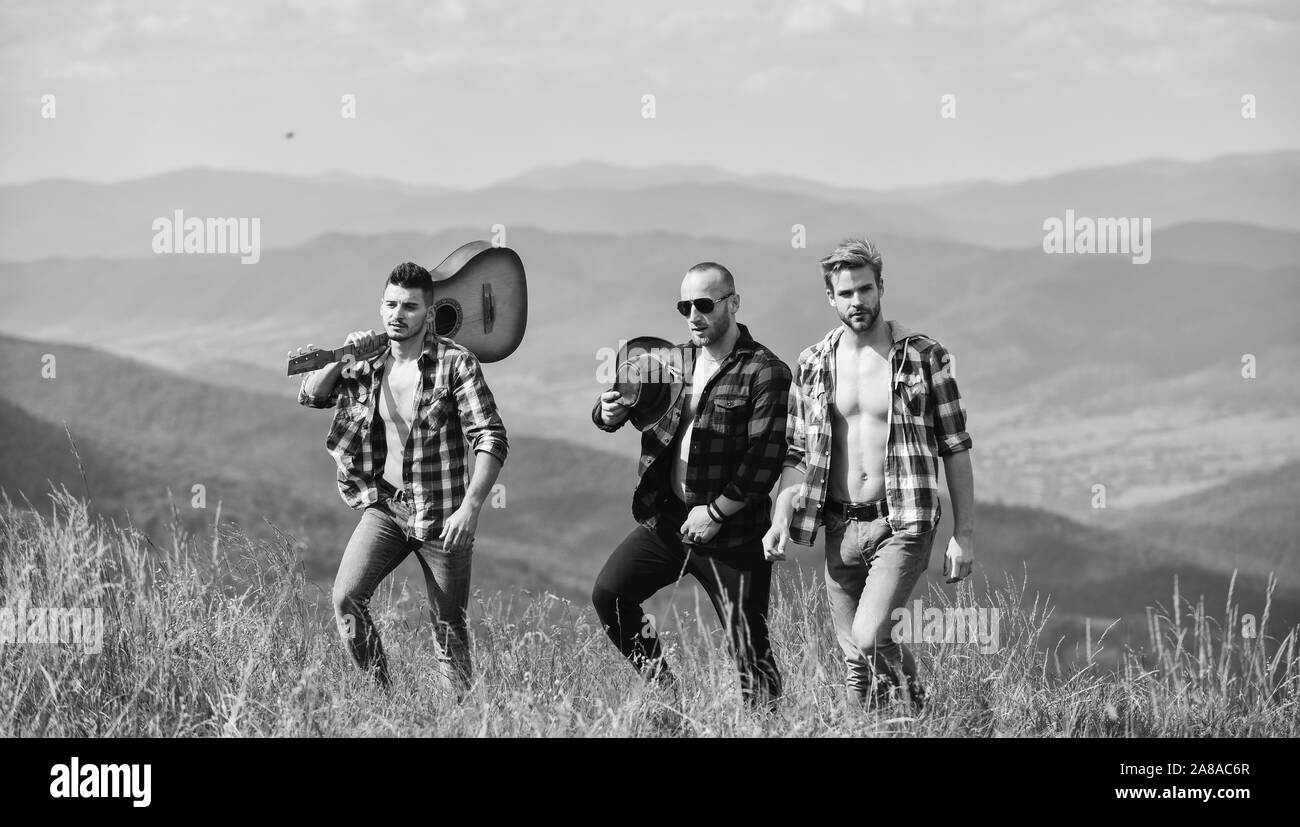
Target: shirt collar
(898, 332)
(744, 343)
(429, 353)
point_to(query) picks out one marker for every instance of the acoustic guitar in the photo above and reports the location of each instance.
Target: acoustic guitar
(480, 301)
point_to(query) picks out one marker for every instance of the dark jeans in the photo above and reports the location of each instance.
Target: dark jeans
(378, 545)
(738, 582)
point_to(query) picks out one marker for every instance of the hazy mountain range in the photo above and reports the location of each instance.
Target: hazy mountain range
(59, 218)
(1167, 389)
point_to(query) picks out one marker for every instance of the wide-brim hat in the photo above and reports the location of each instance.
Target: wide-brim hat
(648, 378)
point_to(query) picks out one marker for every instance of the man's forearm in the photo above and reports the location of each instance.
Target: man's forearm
(320, 384)
(486, 468)
(961, 488)
(783, 506)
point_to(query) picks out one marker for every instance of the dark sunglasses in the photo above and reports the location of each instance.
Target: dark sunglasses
(704, 305)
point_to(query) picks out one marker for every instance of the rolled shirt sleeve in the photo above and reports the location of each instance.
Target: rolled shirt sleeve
(479, 419)
(796, 452)
(949, 413)
(310, 401)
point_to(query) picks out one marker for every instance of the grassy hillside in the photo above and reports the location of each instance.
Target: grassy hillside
(221, 636)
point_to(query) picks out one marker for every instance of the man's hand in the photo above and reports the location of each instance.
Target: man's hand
(775, 539)
(612, 409)
(458, 532)
(699, 526)
(366, 341)
(961, 558)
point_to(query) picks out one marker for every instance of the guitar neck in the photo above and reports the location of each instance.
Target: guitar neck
(339, 352)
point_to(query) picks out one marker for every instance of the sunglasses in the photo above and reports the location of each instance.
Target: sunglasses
(704, 305)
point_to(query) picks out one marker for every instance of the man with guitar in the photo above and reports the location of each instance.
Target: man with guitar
(404, 417)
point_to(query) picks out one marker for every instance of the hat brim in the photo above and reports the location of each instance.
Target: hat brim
(648, 378)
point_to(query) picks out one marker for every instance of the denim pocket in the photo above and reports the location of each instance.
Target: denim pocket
(833, 523)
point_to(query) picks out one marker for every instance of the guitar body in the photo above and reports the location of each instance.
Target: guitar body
(480, 300)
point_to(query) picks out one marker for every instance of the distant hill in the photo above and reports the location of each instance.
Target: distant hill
(1251, 522)
(113, 220)
(1232, 245)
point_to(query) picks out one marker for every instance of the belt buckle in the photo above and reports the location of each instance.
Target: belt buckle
(864, 511)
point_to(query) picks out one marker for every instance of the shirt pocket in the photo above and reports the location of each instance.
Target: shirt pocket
(911, 395)
(730, 414)
(351, 421)
(435, 405)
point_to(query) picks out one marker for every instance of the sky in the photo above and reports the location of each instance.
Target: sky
(464, 94)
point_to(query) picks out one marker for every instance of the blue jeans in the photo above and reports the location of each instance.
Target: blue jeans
(870, 572)
(378, 545)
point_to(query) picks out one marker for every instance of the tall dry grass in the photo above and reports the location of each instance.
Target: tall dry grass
(221, 635)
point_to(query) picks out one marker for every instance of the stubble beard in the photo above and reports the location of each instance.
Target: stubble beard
(869, 317)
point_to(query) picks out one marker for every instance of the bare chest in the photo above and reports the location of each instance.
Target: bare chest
(862, 385)
(398, 392)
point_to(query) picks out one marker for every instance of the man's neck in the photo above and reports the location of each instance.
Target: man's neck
(407, 350)
(718, 350)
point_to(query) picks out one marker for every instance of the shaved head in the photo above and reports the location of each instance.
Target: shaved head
(708, 273)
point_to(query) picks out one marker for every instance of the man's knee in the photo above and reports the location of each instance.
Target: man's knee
(604, 597)
(870, 636)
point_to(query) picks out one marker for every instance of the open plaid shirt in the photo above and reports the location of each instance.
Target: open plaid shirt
(737, 441)
(454, 407)
(926, 421)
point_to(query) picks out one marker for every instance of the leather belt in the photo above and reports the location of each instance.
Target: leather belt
(864, 511)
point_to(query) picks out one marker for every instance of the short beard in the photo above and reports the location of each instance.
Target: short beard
(870, 315)
(717, 331)
(419, 331)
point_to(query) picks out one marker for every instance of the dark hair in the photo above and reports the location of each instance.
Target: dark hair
(852, 254)
(706, 266)
(413, 277)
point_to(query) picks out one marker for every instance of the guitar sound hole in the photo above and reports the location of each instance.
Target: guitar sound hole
(446, 317)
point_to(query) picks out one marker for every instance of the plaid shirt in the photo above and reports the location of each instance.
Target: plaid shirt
(737, 441)
(926, 421)
(454, 407)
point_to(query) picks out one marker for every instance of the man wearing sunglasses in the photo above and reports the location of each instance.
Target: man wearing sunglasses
(873, 409)
(707, 468)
